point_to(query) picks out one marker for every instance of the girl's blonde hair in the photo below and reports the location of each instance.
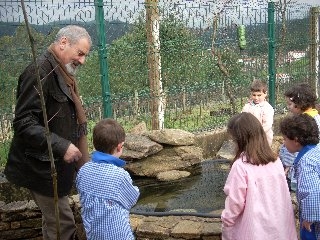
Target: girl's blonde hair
(251, 140)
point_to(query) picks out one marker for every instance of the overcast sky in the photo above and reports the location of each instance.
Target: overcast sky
(311, 2)
(193, 12)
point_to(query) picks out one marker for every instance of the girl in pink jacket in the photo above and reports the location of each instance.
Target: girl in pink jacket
(258, 203)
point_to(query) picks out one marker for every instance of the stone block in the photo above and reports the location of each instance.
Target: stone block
(20, 234)
(211, 228)
(4, 226)
(152, 230)
(31, 223)
(15, 225)
(211, 238)
(19, 216)
(187, 230)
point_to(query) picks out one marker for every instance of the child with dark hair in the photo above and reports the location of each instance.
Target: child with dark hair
(260, 108)
(258, 203)
(105, 188)
(301, 134)
(300, 98)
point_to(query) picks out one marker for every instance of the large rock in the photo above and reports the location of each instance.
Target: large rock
(276, 143)
(175, 137)
(211, 142)
(139, 146)
(171, 158)
(172, 175)
(139, 129)
(227, 150)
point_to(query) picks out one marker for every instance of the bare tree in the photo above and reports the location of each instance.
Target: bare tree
(216, 54)
(154, 63)
(282, 9)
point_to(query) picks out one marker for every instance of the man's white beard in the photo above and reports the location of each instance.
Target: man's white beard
(71, 70)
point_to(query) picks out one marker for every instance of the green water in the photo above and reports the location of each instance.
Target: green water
(201, 192)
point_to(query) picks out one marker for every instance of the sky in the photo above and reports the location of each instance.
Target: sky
(198, 13)
(311, 2)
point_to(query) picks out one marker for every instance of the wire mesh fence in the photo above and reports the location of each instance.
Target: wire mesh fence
(203, 72)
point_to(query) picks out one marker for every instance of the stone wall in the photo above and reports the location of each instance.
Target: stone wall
(22, 220)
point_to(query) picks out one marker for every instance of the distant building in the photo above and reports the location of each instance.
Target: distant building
(282, 78)
(293, 56)
(253, 63)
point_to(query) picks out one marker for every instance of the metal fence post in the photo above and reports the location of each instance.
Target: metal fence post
(271, 40)
(315, 48)
(107, 108)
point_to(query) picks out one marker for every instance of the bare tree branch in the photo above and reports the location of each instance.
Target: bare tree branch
(216, 54)
(47, 132)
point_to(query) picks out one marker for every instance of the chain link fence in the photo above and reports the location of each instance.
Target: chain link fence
(204, 75)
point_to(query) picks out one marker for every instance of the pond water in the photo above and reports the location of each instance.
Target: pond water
(201, 192)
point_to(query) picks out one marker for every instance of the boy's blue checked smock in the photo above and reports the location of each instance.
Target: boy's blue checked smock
(106, 196)
(307, 170)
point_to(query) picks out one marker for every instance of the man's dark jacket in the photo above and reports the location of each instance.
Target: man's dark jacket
(28, 163)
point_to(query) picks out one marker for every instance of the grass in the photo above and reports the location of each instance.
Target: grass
(4, 149)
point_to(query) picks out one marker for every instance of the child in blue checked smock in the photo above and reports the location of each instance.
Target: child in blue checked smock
(301, 134)
(300, 98)
(105, 188)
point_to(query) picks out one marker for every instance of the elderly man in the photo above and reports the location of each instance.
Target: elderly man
(28, 162)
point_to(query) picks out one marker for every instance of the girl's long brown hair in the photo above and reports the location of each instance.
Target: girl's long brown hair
(251, 140)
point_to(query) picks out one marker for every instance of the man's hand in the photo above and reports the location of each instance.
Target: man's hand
(72, 154)
(307, 225)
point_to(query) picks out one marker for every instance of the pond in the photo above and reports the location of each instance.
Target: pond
(201, 192)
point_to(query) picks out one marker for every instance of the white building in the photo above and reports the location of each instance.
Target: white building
(293, 56)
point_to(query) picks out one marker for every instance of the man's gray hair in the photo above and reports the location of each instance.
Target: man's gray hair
(73, 33)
